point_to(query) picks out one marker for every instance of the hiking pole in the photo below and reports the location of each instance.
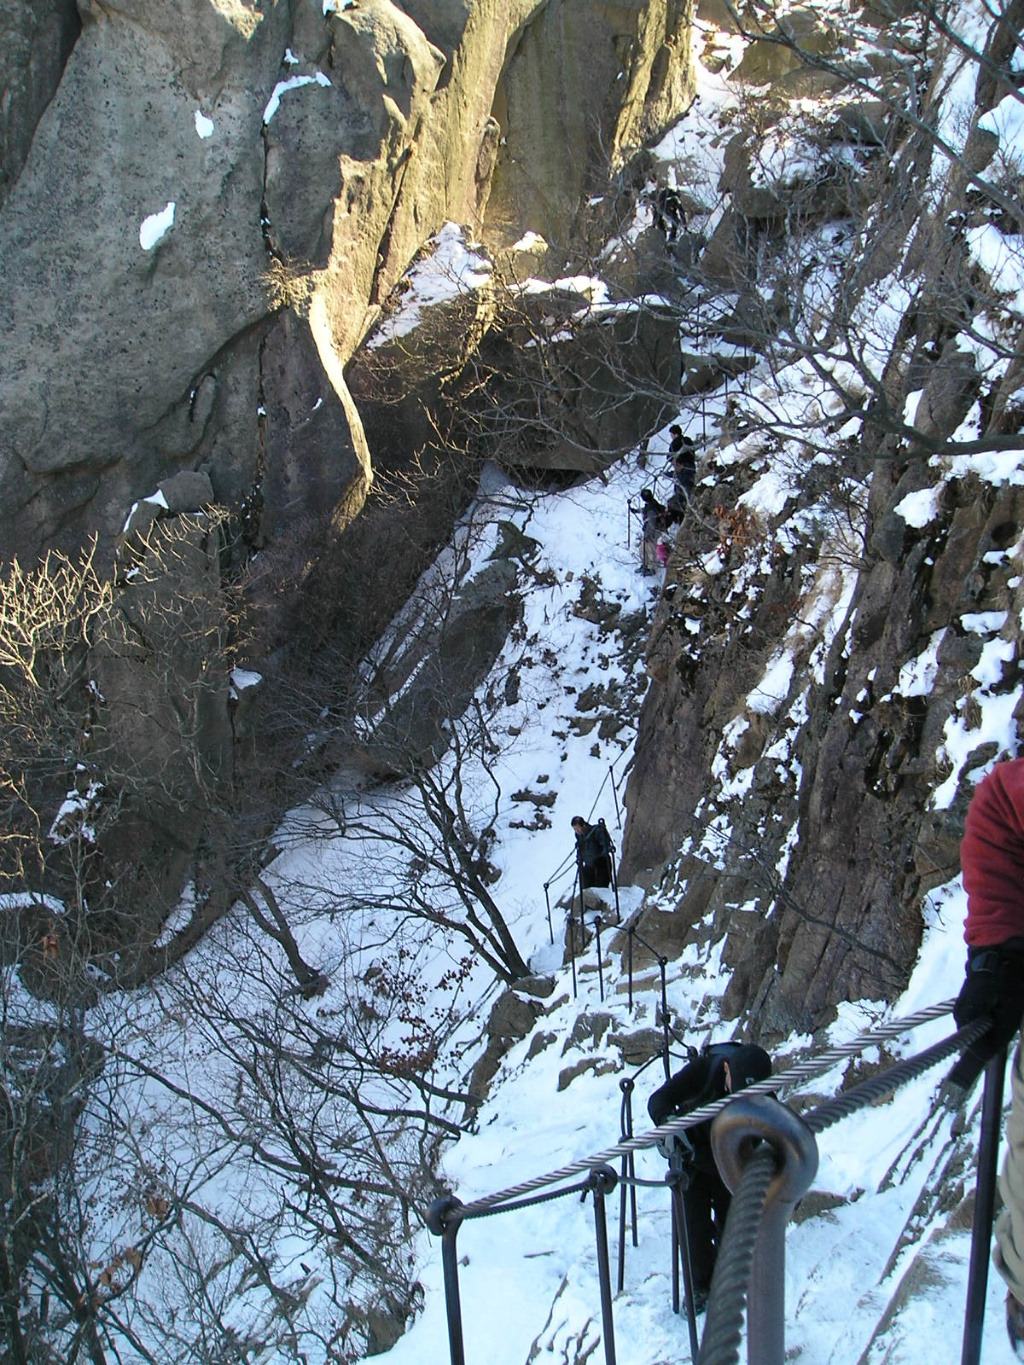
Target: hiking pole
(615, 888)
(984, 1203)
(572, 929)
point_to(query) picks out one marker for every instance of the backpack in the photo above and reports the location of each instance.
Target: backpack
(594, 856)
(702, 1080)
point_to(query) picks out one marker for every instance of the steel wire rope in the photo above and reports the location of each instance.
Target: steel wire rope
(728, 1300)
(801, 1071)
(582, 1188)
(877, 1087)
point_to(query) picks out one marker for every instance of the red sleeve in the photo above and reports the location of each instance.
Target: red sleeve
(992, 857)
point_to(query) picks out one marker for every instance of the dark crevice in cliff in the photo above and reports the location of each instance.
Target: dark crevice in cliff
(36, 41)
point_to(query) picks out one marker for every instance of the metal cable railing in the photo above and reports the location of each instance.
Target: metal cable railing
(736, 1263)
(791, 1076)
(768, 1157)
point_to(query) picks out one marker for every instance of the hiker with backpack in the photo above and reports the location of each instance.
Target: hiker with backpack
(652, 517)
(684, 473)
(594, 850)
(719, 1070)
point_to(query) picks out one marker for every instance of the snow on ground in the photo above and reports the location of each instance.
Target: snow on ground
(448, 267)
(528, 1278)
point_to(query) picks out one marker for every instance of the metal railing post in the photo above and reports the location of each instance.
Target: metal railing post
(572, 929)
(984, 1203)
(547, 901)
(662, 964)
(629, 962)
(583, 931)
(743, 1125)
(678, 1179)
(602, 1182)
(443, 1224)
(600, 967)
(627, 1086)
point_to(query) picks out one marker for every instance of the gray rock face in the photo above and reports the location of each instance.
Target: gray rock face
(609, 77)
(107, 338)
(427, 679)
(161, 737)
(216, 201)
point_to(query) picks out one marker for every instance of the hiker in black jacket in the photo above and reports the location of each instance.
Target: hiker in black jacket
(593, 853)
(684, 470)
(719, 1070)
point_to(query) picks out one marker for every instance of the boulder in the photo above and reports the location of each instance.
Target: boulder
(781, 52)
(638, 1047)
(949, 393)
(597, 1066)
(448, 642)
(767, 176)
(607, 374)
(511, 1019)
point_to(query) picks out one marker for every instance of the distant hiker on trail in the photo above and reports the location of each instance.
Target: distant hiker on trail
(653, 520)
(669, 214)
(992, 861)
(719, 1070)
(594, 851)
(684, 471)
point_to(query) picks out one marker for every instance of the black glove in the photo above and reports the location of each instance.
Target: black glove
(993, 989)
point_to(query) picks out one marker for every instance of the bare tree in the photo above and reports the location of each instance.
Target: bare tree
(219, 1164)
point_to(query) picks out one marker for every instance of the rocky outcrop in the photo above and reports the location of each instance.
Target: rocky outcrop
(160, 745)
(611, 76)
(218, 199)
(574, 381)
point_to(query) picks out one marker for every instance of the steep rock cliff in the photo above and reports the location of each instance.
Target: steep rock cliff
(840, 625)
(217, 199)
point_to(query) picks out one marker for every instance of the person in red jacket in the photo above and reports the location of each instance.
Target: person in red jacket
(992, 862)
